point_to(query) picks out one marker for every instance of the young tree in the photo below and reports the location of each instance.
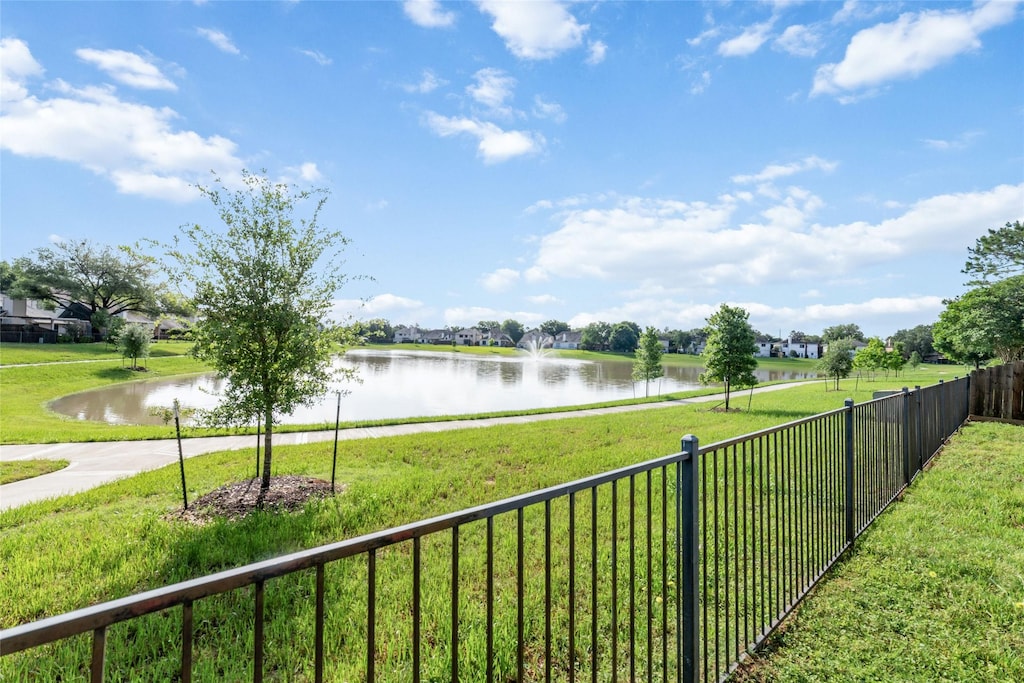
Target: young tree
(894, 360)
(263, 289)
(838, 360)
(871, 357)
(647, 360)
(729, 353)
(133, 342)
(998, 254)
(915, 360)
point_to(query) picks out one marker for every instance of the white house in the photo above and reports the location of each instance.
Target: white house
(764, 347)
(469, 337)
(567, 340)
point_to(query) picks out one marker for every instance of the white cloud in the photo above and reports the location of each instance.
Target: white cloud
(709, 34)
(494, 144)
(500, 280)
(219, 40)
(127, 68)
(429, 82)
(596, 52)
(542, 299)
(534, 30)
(397, 309)
(799, 40)
(548, 110)
(640, 239)
(492, 88)
(775, 171)
(318, 57)
(17, 65)
(962, 141)
(747, 43)
(136, 147)
(701, 84)
(307, 173)
(908, 47)
(428, 13)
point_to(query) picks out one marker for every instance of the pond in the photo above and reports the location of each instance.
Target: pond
(397, 384)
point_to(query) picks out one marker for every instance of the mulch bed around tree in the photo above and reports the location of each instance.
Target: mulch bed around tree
(288, 493)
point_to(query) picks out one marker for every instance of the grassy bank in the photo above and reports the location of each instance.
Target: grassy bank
(27, 389)
(934, 590)
(16, 470)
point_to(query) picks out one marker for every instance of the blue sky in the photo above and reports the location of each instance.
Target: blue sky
(815, 163)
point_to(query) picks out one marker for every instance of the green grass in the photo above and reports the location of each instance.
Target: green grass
(16, 470)
(113, 541)
(934, 590)
(19, 354)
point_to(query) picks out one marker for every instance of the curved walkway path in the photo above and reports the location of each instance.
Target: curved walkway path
(94, 463)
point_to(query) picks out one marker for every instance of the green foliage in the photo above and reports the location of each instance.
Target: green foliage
(872, 357)
(114, 280)
(998, 254)
(844, 331)
(262, 290)
(623, 337)
(914, 360)
(114, 329)
(917, 338)
(514, 329)
(596, 337)
(986, 322)
(895, 359)
(133, 342)
(647, 362)
(488, 325)
(553, 327)
(74, 333)
(729, 353)
(838, 360)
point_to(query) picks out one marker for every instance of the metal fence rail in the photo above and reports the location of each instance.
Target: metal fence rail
(670, 570)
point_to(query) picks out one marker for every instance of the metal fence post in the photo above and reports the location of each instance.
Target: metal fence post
(689, 631)
(920, 429)
(907, 474)
(942, 411)
(849, 472)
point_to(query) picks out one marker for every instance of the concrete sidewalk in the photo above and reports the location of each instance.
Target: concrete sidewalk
(95, 463)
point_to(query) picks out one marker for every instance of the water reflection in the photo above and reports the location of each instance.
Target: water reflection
(409, 384)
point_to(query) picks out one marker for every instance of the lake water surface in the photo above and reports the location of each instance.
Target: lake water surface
(398, 383)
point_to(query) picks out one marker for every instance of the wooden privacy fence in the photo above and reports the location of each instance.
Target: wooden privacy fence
(997, 393)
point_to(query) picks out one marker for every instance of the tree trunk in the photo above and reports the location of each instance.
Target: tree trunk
(726, 395)
(268, 430)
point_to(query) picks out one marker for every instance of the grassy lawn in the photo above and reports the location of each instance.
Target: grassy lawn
(19, 354)
(114, 540)
(26, 469)
(934, 590)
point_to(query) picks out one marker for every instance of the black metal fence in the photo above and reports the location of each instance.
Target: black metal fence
(669, 570)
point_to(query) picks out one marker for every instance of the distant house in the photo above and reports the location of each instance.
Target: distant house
(408, 335)
(437, 337)
(764, 347)
(25, 320)
(797, 348)
(855, 346)
(470, 336)
(567, 340)
(495, 337)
